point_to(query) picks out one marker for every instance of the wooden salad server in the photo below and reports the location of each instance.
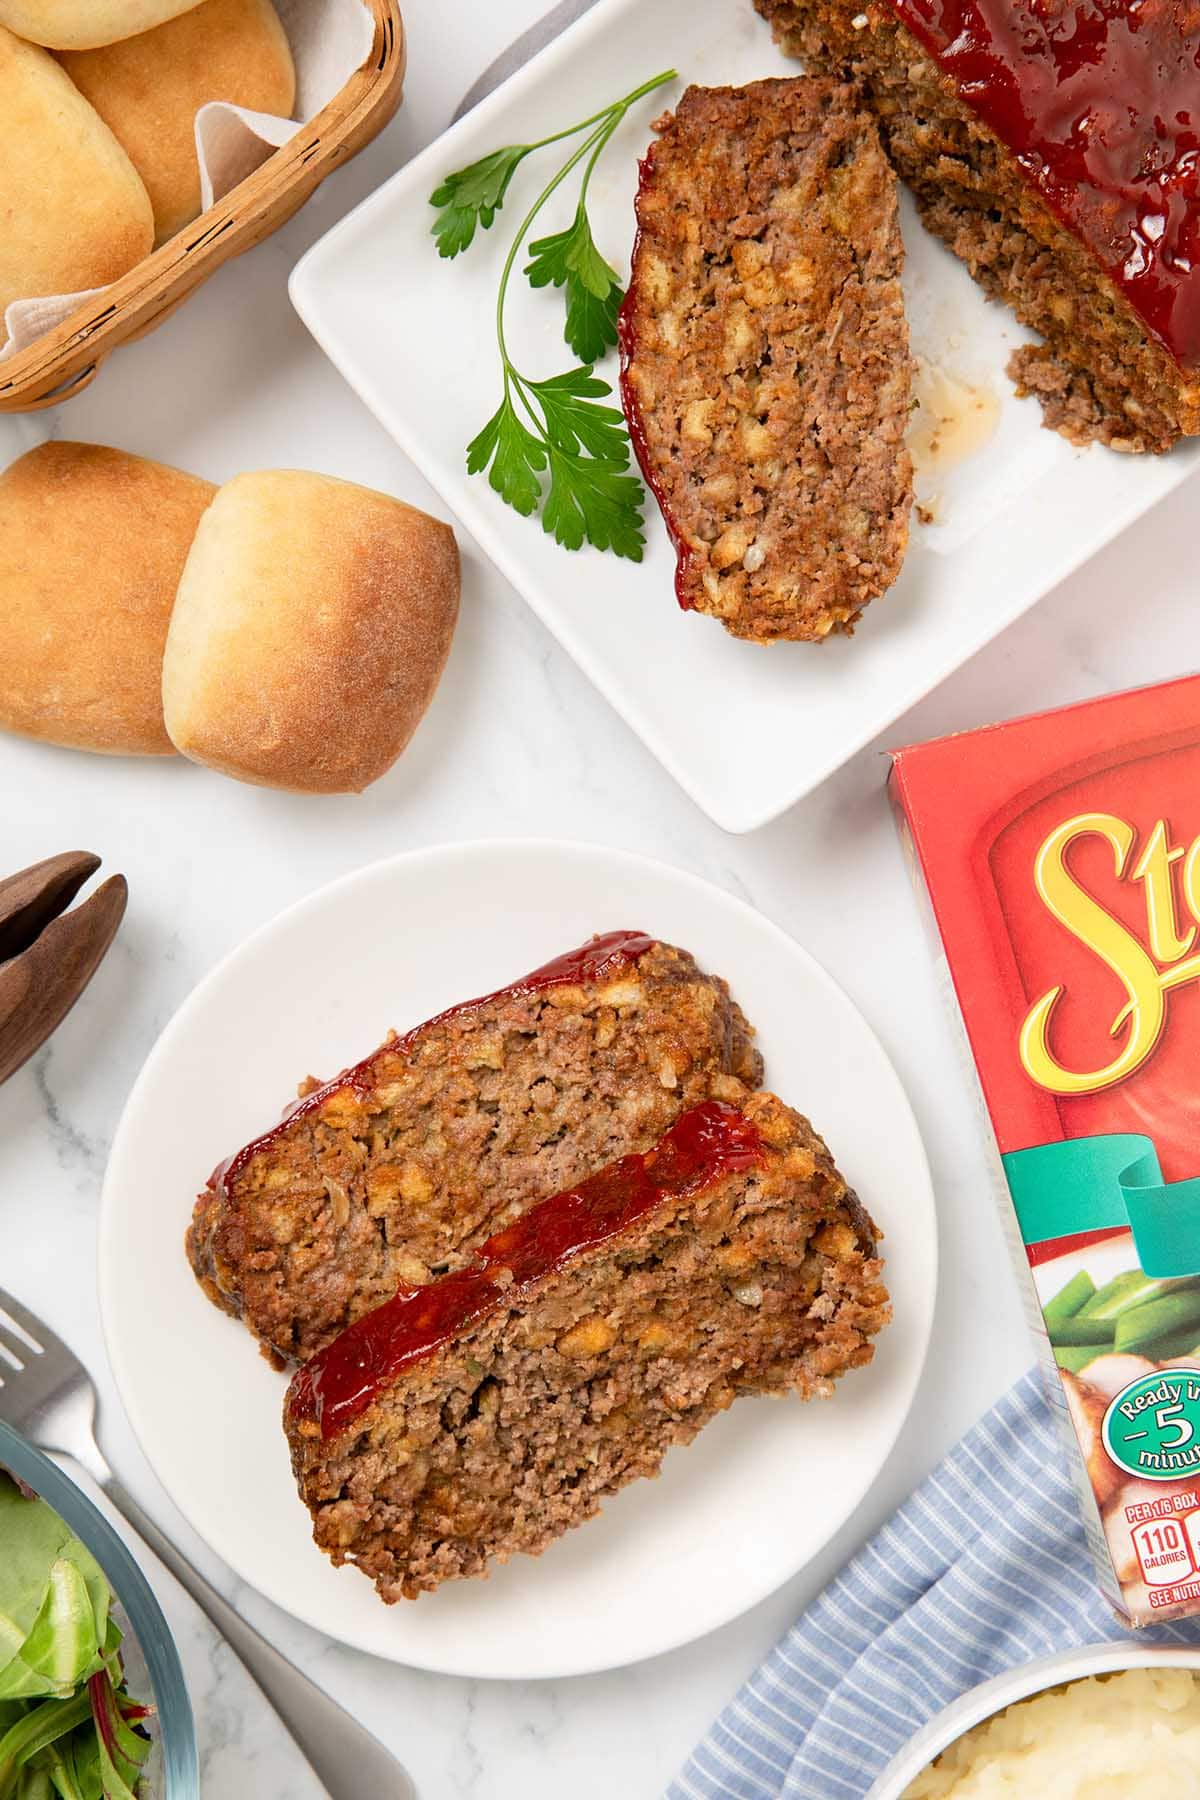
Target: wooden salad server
(47, 953)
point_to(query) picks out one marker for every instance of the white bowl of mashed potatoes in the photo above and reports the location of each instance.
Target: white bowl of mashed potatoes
(1107, 1722)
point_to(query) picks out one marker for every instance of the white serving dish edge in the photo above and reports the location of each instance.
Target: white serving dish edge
(990, 1697)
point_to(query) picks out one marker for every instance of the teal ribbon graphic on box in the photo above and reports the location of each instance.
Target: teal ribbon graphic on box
(1098, 1183)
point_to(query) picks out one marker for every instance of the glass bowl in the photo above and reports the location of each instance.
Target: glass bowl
(152, 1663)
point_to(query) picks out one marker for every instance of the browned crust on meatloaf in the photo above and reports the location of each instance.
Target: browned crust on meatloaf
(501, 1440)
(1099, 375)
(767, 372)
(440, 1138)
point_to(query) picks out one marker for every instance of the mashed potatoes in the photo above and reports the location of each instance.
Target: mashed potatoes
(1133, 1736)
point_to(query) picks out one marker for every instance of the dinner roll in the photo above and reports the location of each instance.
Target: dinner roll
(92, 543)
(312, 624)
(83, 24)
(148, 90)
(74, 212)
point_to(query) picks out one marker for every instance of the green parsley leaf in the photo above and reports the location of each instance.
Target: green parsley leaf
(570, 259)
(473, 196)
(593, 500)
(516, 455)
(551, 446)
(573, 420)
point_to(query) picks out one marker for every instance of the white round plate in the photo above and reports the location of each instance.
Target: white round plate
(763, 1488)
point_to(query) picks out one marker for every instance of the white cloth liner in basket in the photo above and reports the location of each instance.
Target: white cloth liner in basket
(329, 40)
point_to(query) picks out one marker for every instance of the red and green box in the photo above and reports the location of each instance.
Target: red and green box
(1061, 858)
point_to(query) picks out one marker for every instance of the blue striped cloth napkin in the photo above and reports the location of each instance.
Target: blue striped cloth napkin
(984, 1568)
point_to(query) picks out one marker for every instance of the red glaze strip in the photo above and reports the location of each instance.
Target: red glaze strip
(593, 961)
(342, 1380)
(1099, 101)
(627, 339)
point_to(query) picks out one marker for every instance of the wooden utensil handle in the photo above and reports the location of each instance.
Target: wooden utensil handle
(39, 987)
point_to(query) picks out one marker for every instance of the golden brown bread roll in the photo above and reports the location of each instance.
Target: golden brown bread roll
(92, 543)
(83, 24)
(148, 90)
(74, 213)
(311, 628)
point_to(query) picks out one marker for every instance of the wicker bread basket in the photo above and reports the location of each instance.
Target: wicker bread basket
(60, 364)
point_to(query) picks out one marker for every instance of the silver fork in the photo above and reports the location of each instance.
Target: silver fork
(47, 1395)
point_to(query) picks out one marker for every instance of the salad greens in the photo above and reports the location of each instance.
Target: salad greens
(551, 445)
(68, 1727)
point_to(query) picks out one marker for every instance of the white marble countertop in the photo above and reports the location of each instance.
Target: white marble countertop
(516, 743)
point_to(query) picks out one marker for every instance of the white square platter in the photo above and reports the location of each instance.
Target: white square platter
(745, 730)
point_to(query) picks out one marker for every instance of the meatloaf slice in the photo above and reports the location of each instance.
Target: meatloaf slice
(765, 366)
(1052, 145)
(399, 1165)
(488, 1413)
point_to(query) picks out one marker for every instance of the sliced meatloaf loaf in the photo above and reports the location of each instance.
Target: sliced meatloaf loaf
(488, 1413)
(1052, 144)
(399, 1165)
(765, 364)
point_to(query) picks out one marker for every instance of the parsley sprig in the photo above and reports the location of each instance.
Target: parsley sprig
(551, 444)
